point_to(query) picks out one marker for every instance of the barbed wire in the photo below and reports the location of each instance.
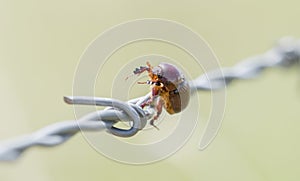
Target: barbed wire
(285, 54)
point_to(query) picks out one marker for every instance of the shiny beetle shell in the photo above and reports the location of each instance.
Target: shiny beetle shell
(169, 87)
(175, 91)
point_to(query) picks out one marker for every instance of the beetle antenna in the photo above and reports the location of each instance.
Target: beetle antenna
(146, 82)
(129, 76)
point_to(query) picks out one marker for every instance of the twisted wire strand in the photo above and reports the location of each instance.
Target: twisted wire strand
(286, 54)
(59, 133)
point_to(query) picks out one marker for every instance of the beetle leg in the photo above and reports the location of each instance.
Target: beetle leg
(138, 71)
(158, 107)
(154, 93)
(149, 65)
(148, 102)
(142, 69)
(150, 73)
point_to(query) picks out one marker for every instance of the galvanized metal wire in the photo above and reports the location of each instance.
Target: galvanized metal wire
(285, 54)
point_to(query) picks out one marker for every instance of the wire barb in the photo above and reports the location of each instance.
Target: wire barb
(286, 54)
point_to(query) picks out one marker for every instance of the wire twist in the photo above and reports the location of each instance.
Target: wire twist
(286, 54)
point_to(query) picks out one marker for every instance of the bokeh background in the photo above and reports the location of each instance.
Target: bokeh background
(40, 46)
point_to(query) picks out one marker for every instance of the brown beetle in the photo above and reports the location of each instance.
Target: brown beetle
(168, 85)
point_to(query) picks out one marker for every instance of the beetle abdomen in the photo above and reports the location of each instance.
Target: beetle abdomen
(178, 99)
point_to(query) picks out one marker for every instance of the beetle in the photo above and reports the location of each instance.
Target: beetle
(169, 88)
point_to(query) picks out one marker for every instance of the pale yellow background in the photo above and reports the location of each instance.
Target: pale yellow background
(40, 46)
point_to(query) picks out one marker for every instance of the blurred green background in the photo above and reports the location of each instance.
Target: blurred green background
(41, 43)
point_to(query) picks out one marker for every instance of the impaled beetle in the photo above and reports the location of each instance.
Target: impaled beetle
(169, 88)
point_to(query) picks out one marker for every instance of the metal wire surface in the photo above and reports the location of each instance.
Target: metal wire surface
(285, 54)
